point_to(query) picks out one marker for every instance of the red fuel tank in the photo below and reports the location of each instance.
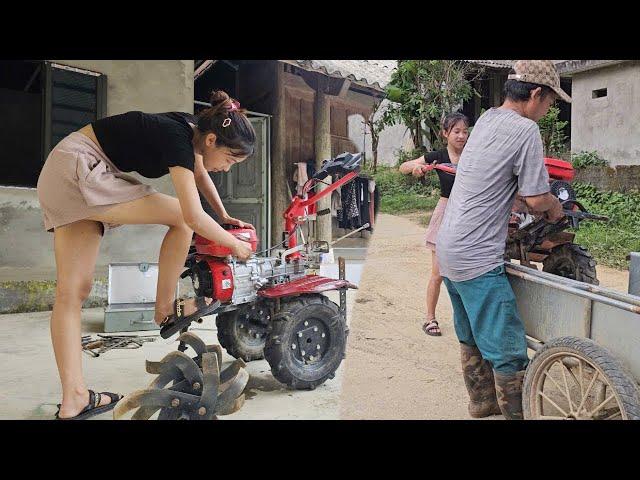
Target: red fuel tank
(207, 247)
(559, 169)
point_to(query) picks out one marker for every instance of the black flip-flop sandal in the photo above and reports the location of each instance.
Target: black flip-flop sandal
(177, 321)
(430, 328)
(92, 408)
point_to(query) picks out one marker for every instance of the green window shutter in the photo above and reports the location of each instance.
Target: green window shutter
(73, 99)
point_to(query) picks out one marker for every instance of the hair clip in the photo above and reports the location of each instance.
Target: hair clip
(234, 106)
(226, 122)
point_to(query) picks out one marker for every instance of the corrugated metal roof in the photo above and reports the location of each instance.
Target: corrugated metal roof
(369, 73)
(493, 63)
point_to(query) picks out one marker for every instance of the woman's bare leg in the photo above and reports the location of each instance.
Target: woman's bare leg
(76, 248)
(433, 287)
(162, 210)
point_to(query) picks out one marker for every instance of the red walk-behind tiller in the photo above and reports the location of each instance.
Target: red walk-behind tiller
(269, 307)
(531, 239)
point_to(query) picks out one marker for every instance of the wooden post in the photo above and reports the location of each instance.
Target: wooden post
(322, 150)
(279, 195)
(497, 89)
(476, 100)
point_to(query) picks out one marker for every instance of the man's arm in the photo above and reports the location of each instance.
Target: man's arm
(546, 204)
(533, 179)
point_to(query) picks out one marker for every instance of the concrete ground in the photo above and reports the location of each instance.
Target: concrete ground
(30, 388)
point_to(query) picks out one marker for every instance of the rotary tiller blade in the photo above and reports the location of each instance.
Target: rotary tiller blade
(198, 345)
(194, 393)
(156, 398)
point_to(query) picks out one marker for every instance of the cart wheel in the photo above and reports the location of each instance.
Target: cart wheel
(307, 342)
(574, 378)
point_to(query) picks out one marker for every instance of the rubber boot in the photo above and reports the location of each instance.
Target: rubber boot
(509, 391)
(478, 378)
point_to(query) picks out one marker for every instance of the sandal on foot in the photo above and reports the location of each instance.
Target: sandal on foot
(432, 328)
(177, 321)
(94, 407)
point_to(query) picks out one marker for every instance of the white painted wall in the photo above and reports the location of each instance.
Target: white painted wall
(611, 124)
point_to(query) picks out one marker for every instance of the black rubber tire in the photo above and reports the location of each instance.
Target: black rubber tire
(236, 344)
(617, 376)
(285, 367)
(575, 259)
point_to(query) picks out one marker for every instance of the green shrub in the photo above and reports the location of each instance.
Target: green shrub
(406, 155)
(552, 132)
(610, 242)
(404, 193)
(587, 159)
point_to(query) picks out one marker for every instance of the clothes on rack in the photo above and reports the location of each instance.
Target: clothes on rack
(357, 204)
(336, 202)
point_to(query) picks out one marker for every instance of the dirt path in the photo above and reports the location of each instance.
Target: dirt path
(393, 370)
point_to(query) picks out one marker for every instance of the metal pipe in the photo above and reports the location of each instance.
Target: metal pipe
(634, 273)
(533, 344)
(576, 291)
(366, 225)
(605, 292)
(204, 66)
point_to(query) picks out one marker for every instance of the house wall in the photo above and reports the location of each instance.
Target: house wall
(610, 125)
(348, 131)
(151, 86)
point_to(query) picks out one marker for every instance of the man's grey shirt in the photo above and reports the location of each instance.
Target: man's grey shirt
(503, 154)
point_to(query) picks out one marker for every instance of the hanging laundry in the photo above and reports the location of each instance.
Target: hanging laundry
(356, 204)
(336, 202)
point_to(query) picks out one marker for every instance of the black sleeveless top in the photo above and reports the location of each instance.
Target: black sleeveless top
(147, 143)
(446, 179)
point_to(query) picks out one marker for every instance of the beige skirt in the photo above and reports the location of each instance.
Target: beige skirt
(78, 181)
(434, 223)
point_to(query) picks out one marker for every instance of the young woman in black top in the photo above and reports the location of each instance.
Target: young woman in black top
(83, 191)
(455, 129)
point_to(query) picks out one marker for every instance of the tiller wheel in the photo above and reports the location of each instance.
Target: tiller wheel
(198, 389)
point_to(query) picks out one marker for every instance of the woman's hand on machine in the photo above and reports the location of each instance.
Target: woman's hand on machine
(421, 169)
(242, 250)
(235, 221)
(418, 170)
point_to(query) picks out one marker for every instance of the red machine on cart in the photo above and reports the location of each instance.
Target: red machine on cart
(531, 239)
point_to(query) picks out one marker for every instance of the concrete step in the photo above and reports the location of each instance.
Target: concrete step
(33, 289)
(18, 296)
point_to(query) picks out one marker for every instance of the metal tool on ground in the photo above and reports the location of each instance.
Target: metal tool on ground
(98, 346)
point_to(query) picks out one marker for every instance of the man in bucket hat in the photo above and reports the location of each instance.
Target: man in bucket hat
(503, 155)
